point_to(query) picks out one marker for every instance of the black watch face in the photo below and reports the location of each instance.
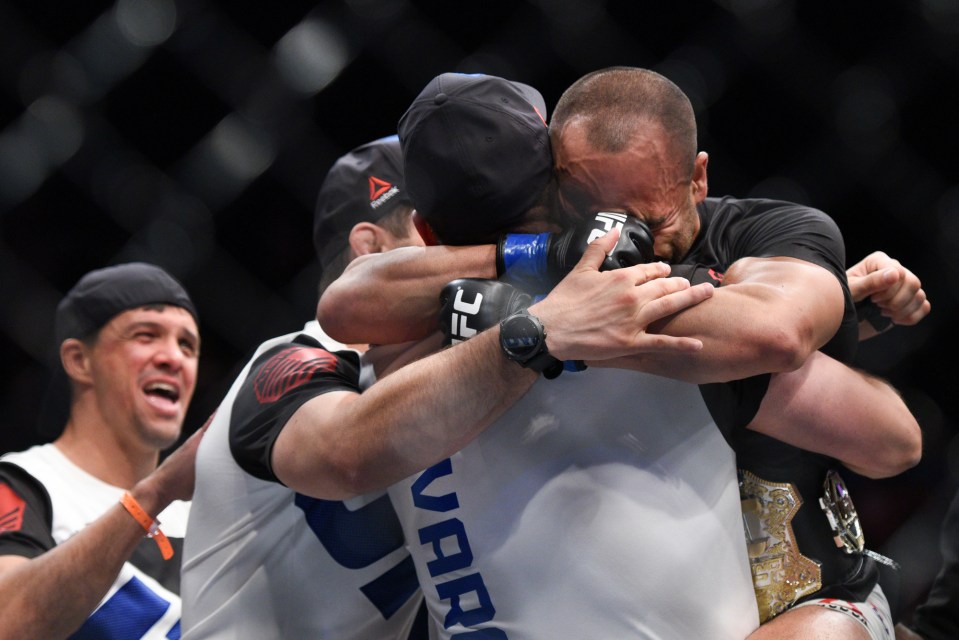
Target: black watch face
(520, 337)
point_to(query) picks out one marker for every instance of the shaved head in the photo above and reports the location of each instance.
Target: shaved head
(612, 105)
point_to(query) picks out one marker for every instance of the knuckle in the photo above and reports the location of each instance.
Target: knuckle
(619, 277)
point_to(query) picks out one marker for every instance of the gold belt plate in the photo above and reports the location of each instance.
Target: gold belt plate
(781, 574)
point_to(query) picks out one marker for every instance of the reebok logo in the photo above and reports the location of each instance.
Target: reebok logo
(381, 191)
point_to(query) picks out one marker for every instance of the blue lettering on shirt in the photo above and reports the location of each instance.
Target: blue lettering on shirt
(453, 529)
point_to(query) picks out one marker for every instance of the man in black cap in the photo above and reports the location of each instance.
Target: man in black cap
(285, 539)
(363, 208)
(74, 513)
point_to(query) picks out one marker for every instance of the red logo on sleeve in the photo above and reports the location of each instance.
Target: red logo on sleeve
(289, 369)
(11, 509)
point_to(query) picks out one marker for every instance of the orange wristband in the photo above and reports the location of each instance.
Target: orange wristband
(151, 526)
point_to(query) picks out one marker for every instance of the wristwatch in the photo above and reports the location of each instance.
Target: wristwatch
(523, 340)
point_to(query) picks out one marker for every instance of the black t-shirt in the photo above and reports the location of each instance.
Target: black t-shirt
(732, 229)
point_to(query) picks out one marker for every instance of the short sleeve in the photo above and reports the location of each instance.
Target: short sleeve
(280, 381)
(735, 229)
(26, 516)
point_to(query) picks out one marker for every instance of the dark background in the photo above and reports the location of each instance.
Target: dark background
(195, 135)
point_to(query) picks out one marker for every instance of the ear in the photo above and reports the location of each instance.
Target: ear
(700, 184)
(425, 230)
(365, 238)
(76, 361)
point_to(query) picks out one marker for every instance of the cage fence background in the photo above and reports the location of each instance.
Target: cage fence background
(195, 135)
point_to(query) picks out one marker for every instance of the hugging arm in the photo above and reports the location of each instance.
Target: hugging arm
(847, 414)
(769, 315)
(342, 444)
(392, 297)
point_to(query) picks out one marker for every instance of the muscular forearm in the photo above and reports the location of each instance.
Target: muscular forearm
(51, 595)
(441, 404)
(844, 413)
(413, 418)
(768, 316)
(392, 297)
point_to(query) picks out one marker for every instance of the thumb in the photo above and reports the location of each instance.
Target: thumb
(867, 285)
(596, 252)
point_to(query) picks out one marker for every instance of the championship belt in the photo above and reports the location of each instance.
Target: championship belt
(843, 519)
(781, 574)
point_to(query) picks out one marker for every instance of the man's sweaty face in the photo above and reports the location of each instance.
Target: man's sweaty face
(640, 181)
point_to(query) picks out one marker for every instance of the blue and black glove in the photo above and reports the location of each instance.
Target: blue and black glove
(537, 262)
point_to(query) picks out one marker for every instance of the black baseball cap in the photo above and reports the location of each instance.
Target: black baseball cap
(104, 293)
(476, 154)
(364, 185)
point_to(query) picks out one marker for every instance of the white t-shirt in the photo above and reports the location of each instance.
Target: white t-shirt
(604, 504)
(137, 604)
(263, 562)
